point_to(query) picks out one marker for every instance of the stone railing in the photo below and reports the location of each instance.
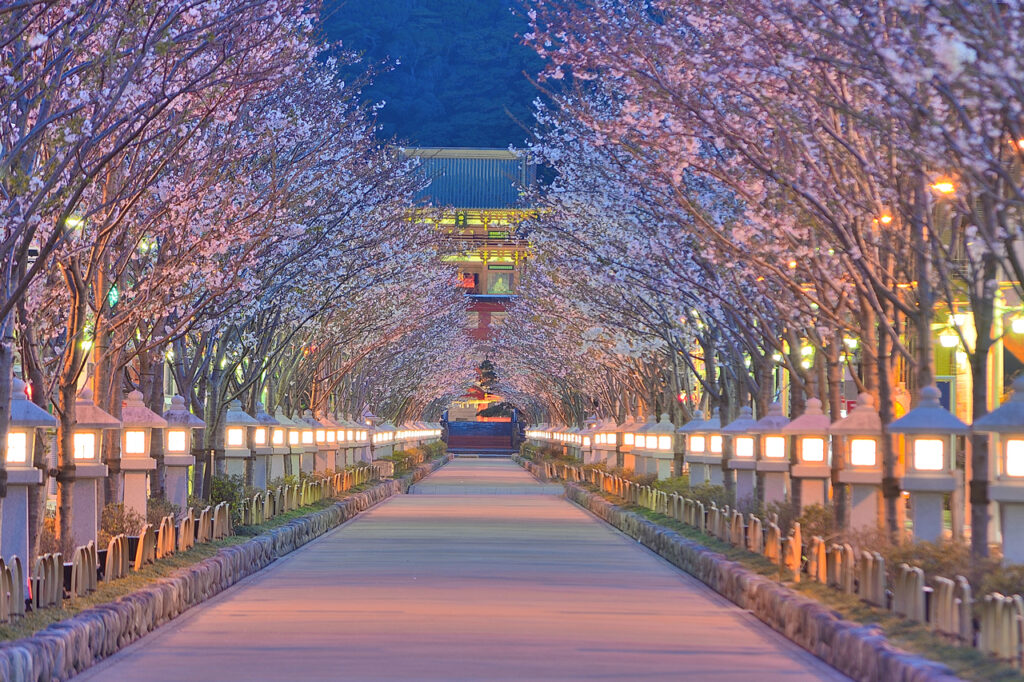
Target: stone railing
(855, 650)
(64, 649)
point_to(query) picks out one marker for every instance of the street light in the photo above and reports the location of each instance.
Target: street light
(861, 431)
(773, 453)
(137, 422)
(929, 447)
(237, 426)
(812, 468)
(741, 443)
(22, 473)
(178, 450)
(87, 442)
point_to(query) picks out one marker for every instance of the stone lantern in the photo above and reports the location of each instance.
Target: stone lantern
(296, 450)
(362, 435)
(660, 446)
(704, 449)
(26, 417)
(280, 463)
(87, 444)
(773, 454)
(263, 449)
(1005, 426)
(930, 460)
(625, 430)
(332, 443)
(305, 424)
(740, 446)
(606, 440)
(812, 466)
(347, 436)
(137, 424)
(178, 450)
(861, 432)
(237, 428)
(385, 446)
(634, 459)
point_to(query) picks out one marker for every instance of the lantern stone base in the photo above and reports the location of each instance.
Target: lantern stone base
(865, 502)
(606, 456)
(746, 477)
(926, 511)
(307, 461)
(14, 530)
(235, 461)
(275, 464)
(176, 478)
(1011, 516)
(775, 485)
(260, 468)
(85, 502)
(813, 490)
(136, 482)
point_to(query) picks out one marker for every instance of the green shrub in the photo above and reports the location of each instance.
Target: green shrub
(159, 507)
(707, 493)
(116, 519)
(679, 485)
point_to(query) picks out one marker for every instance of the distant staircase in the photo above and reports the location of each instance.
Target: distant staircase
(481, 438)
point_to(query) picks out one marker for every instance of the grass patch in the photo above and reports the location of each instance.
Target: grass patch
(107, 592)
(965, 662)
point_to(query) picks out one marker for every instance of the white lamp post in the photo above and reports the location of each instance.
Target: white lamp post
(290, 432)
(740, 446)
(773, 454)
(861, 431)
(263, 449)
(930, 468)
(87, 443)
(1005, 426)
(26, 417)
(137, 424)
(812, 468)
(178, 450)
(237, 428)
(704, 449)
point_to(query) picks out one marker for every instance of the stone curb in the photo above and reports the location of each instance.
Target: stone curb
(859, 651)
(66, 648)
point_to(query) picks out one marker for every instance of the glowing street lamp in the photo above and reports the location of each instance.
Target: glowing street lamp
(704, 448)
(929, 453)
(286, 438)
(634, 458)
(659, 447)
(740, 446)
(263, 450)
(87, 443)
(237, 429)
(606, 441)
(26, 418)
(861, 431)
(773, 454)
(1005, 426)
(812, 468)
(178, 450)
(137, 424)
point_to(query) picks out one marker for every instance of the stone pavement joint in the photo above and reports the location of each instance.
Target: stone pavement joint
(458, 587)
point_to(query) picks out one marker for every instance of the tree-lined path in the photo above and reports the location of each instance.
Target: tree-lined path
(474, 576)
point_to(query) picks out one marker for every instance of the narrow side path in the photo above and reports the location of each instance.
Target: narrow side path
(463, 586)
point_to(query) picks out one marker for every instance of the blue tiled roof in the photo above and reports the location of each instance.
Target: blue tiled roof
(474, 178)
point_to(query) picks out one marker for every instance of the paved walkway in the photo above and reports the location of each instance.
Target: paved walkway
(451, 586)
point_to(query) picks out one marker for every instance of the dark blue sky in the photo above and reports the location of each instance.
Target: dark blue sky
(460, 82)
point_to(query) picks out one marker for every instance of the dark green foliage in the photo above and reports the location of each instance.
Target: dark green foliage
(461, 67)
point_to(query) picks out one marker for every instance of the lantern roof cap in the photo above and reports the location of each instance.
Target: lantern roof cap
(645, 425)
(263, 417)
(741, 424)
(626, 425)
(89, 416)
(1008, 417)
(695, 424)
(135, 414)
(386, 426)
(308, 418)
(813, 422)
(663, 426)
(773, 422)
(236, 416)
(929, 417)
(863, 420)
(25, 413)
(178, 415)
(284, 420)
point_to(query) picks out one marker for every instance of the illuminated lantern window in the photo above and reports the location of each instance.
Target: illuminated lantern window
(236, 437)
(627, 439)
(259, 436)
(84, 445)
(812, 449)
(293, 437)
(928, 454)
(775, 447)
(177, 440)
(277, 437)
(17, 447)
(321, 435)
(744, 447)
(135, 442)
(698, 444)
(664, 442)
(863, 452)
(716, 444)
(1015, 457)
(331, 436)
(349, 435)
(307, 437)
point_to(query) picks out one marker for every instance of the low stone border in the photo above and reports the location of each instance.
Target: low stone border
(66, 648)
